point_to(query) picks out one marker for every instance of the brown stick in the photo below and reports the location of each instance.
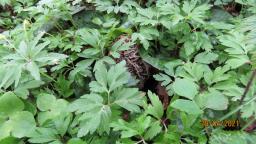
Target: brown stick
(246, 91)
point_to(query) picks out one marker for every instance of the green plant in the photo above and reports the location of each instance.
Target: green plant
(125, 72)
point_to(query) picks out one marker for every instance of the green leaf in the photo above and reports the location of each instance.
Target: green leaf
(76, 141)
(193, 71)
(217, 75)
(125, 127)
(63, 86)
(10, 104)
(156, 108)
(185, 87)
(62, 123)
(45, 101)
(154, 129)
(144, 36)
(128, 98)
(206, 57)
(195, 13)
(5, 2)
(234, 137)
(57, 109)
(165, 79)
(43, 135)
(237, 62)
(187, 106)
(9, 140)
(95, 114)
(33, 69)
(142, 126)
(23, 49)
(23, 123)
(216, 100)
(117, 76)
(109, 80)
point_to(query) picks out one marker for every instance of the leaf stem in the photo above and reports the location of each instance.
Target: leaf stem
(48, 77)
(108, 97)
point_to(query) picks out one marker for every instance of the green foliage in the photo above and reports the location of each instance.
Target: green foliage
(19, 123)
(125, 72)
(107, 92)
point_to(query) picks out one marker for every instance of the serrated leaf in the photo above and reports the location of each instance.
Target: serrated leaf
(125, 127)
(95, 113)
(108, 80)
(128, 98)
(156, 108)
(154, 129)
(165, 79)
(117, 76)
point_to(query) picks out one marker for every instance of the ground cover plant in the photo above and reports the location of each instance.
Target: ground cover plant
(127, 71)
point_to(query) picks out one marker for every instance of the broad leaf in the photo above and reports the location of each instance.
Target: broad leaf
(185, 87)
(187, 106)
(10, 104)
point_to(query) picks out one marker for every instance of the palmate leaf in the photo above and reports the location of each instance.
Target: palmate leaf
(29, 55)
(145, 34)
(108, 80)
(95, 113)
(95, 109)
(193, 71)
(128, 98)
(142, 126)
(195, 13)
